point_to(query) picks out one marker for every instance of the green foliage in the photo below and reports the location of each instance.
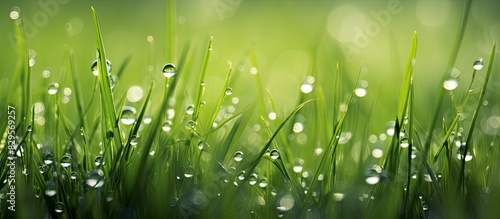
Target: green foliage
(215, 161)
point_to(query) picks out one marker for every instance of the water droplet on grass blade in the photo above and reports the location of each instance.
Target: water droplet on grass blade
(167, 126)
(128, 115)
(59, 207)
(238, 156)
(229, 91)
(169, 70)
(53, 88)
(450, 84)
(201, 144)
(360, 92)
(461, 151)
(74, 174)
(98, 160)
(478, 64)
(252, 179)
(263, 182)
(50, 188)
(241, 175)
(48, 159)
(188, 172)
(14, 14)
(372, 174)
(95, 70)
(404, 142)
(66, 160)
(190, 109)
(298, 165)
(95, 179)
(274, 154)
(285, 203)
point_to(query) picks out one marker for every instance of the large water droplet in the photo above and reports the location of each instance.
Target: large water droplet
(201, 144)
(167, 126)
(478, 64)
(360, 92)
(59, 207)
(128, 115)
(229, 91)
(298, 165)
(95, 70)
(53, 88)
(169, 70)
(285, 203)
(263, 182)
(238, 156)
(372, 174)
(95, 179)
(190, 109)
(50, 188)
(252, 179)
(188, 172)
(460, 153)
(241, 175)
(48, 158)
(66, 160)
(98, 160)
(450, 84)
(274, 154)
(404, 142)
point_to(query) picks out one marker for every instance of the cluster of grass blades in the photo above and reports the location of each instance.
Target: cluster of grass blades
(169, 160)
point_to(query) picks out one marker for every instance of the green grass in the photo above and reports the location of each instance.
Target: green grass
(226, 160)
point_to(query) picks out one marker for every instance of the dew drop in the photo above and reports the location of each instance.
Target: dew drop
(252, 179)
(372, 174)
(95, 179)
(229, 91)
(50, 188)
(360, 92)
(134, 140)
(66, 160)
(460, 153)
(450, 84)
(98, 160)
(263, 182)
(390, 128)
(191, 125)
(74, 174)
(190, 109)
(188, 172)
(274, 154)
(128, 115)
(306, 88)
(478, 64)
(241, 175)
(169, 70)
(48, 159)
(167, 126)
(95, 69)
(285, 203)
(14, 14)
(53, 88)
(298, 165)
(238, 156)
(404, 142)
(201, 144)
(59, 207)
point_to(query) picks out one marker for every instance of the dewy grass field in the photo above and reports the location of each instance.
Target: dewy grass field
(333, 110)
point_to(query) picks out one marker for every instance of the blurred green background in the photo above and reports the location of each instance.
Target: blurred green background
(292, 39)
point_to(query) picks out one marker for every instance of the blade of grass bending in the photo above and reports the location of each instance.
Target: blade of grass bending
(461, 181)
(451, 62)
(201, 86)
(221, 97)
(108, 113)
